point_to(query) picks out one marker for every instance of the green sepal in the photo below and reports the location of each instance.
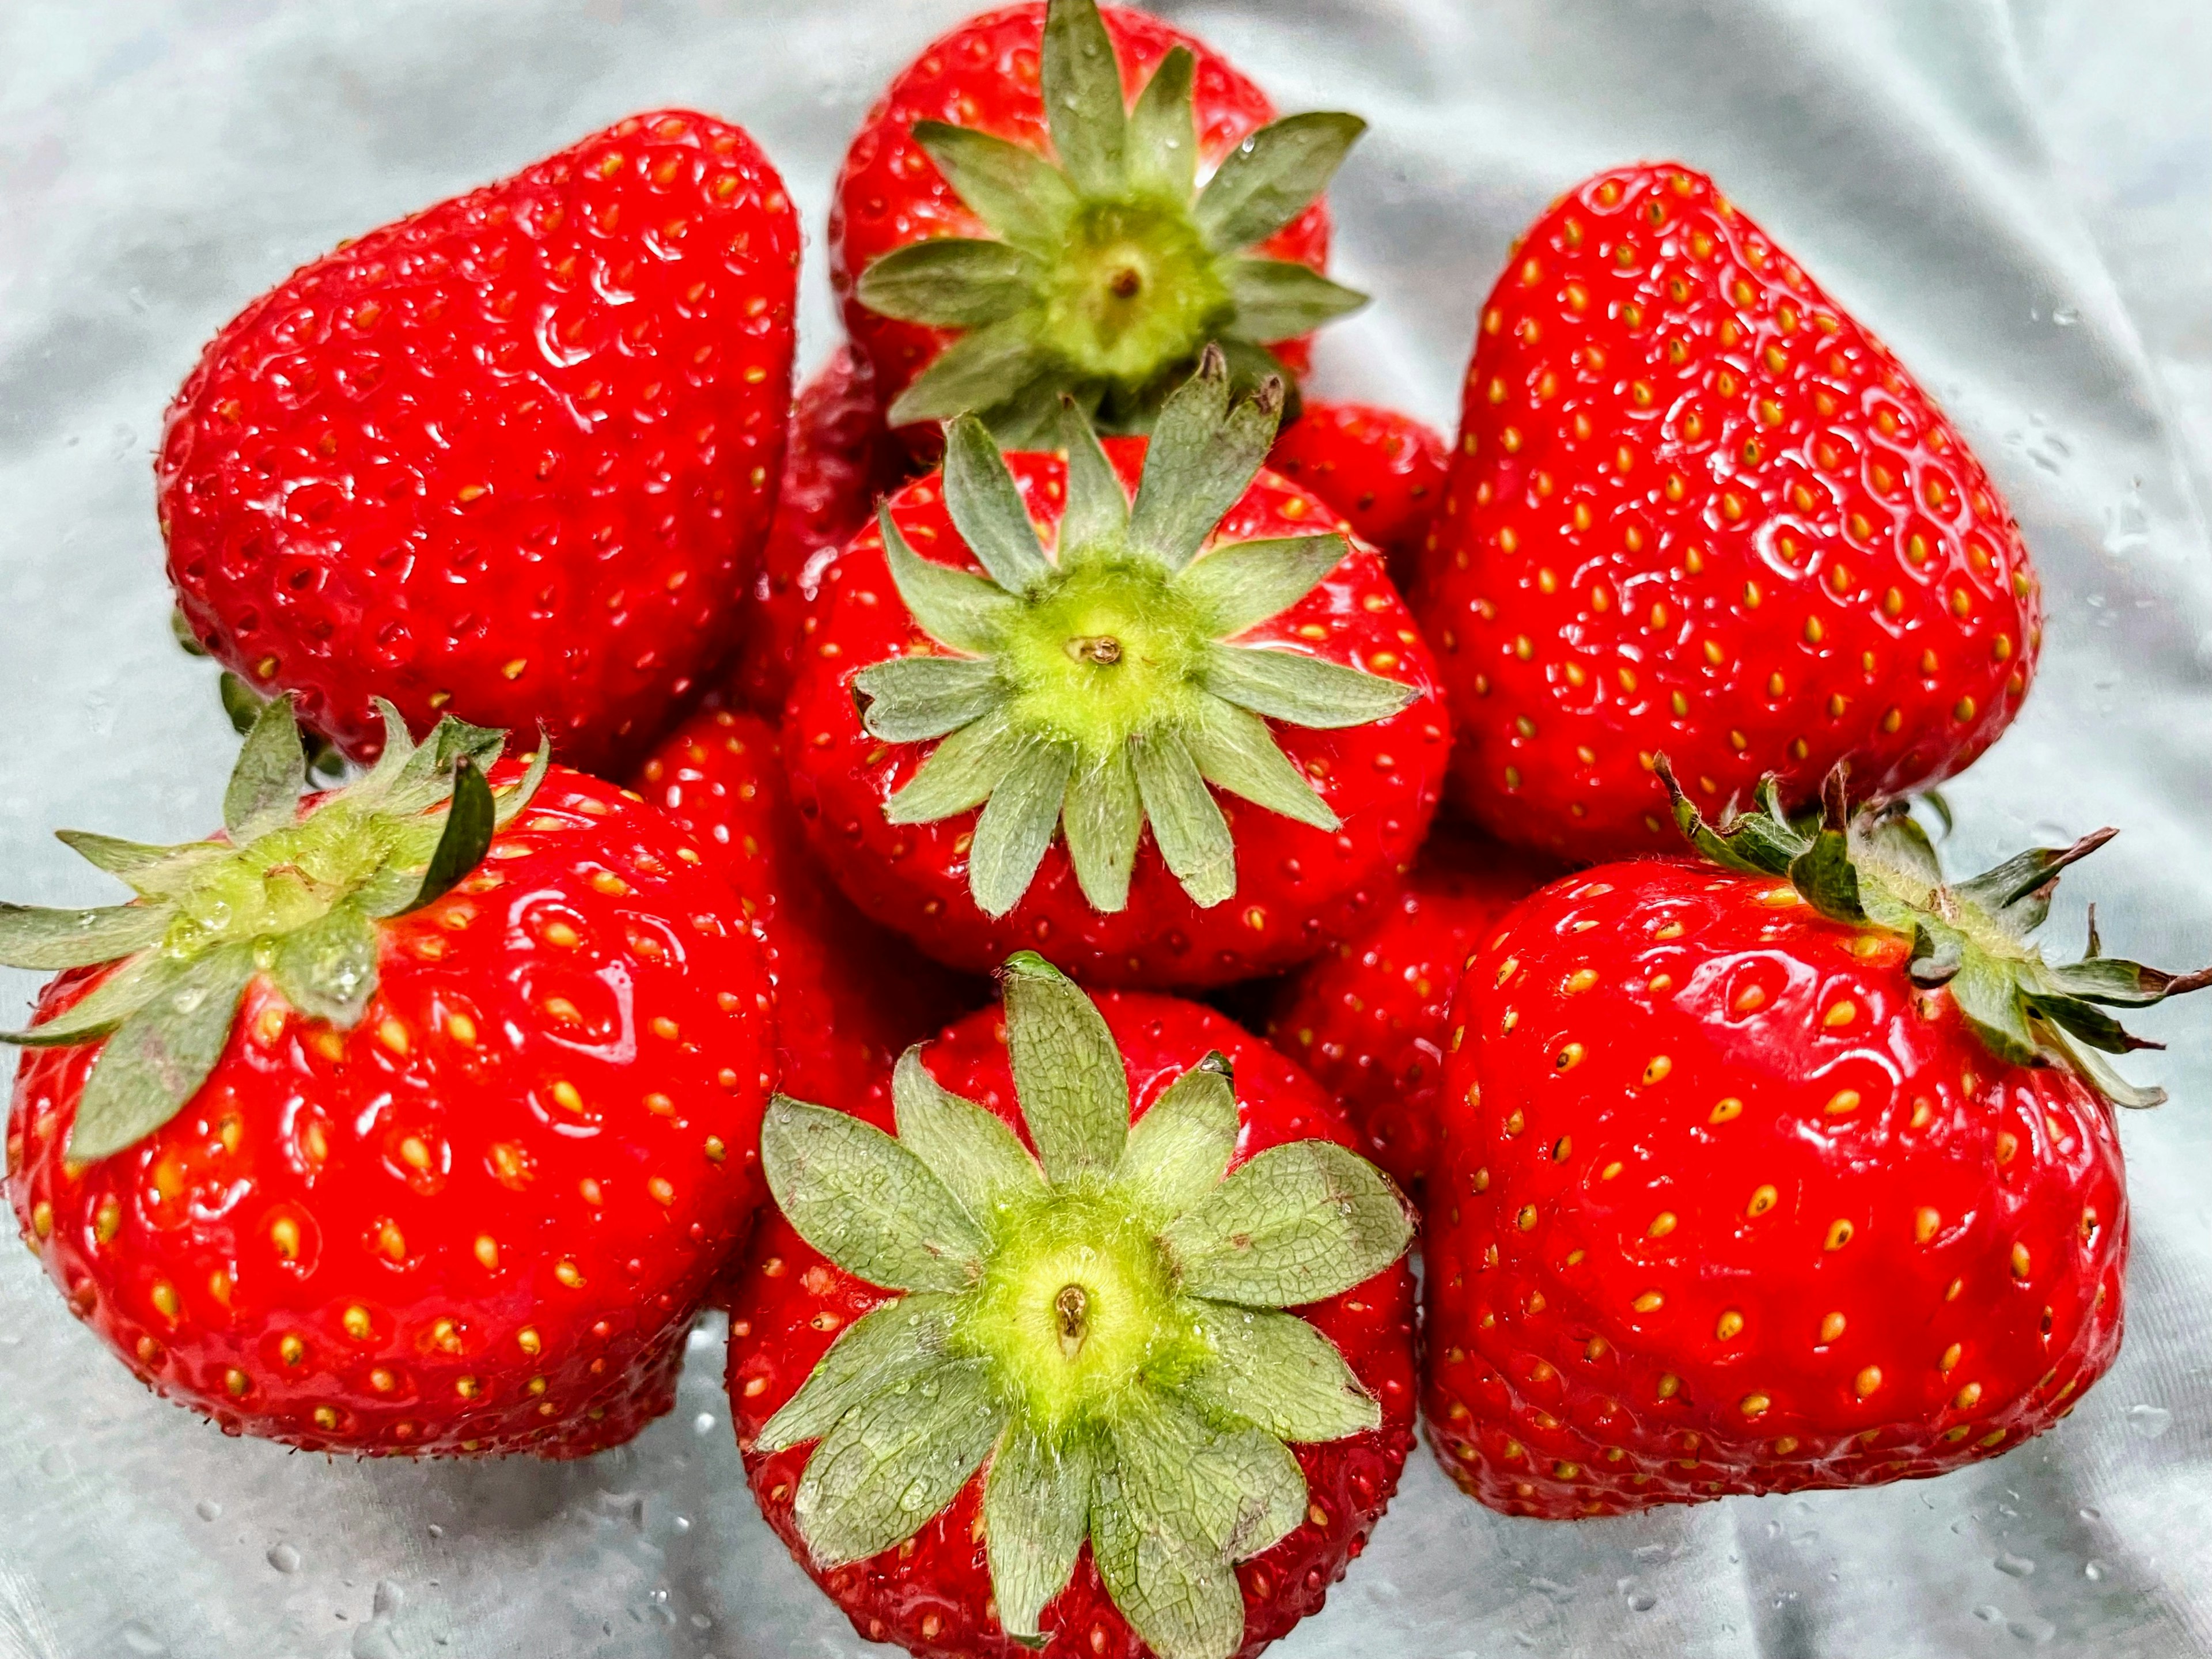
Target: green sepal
(1759, 843)
(264, 788)
(1281, 299)
(1939, 952)
(1240, 586)
(1288, 685)
(960, 772)
(980, 1161)
(2018, 890)
(1016, 824)
(1235, 750)
(954, 607)
(1278, 1372)
(154, 873)
(1067, 1070)
(1102, 818)
(949, 281)
(466, 838)
(2119, 983)
(2087, 1022)
(327, 969)
(1098, 511)
(981, 371)
(884, 1344)
(866, 1201)
(1083, 103)
(1162, 152)
(49, 939)
(1180, 1148)
(1205, 453)
(1193, 837)
(914, 699)
(1177, 1504)
(1269, 180)
(1009, 187)
(157, 1058)
(986, 508)
(1826, 876)
(1037, 1513)
(1295, 1225)
(134, 983)
(2102, 1076)
(895, 1461)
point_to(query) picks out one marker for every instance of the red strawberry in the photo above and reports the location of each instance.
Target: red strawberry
(849, 995)
(1383, 470)
(1368, 1020)
(1797, 1173)
(372, 1158)
(838, 460)
(510, 460)
(1696, 509)
(1019, 216)
(1096, 692)
(1097, 1329)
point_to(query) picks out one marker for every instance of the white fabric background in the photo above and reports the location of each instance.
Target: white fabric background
(2020, 198)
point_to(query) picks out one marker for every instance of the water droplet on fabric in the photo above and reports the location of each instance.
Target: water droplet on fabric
(2150, 1421)
(703, 1423)
(207, 1509)
(284, 1558)
(389, 1599)
(138, 1640)
(374, 1642)
(1988, 1615)
(1643, 1601)
(2093, 1570)
(2065, 316)
(2016, 1566)
(2032, 1630)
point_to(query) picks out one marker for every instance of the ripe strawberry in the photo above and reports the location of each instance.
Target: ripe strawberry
(838, 459)
(849, 995)
(1368, 1020)
(1697, 509)
(1019, 216)
(510, 459)
(1800, 1172)
(1383, 470)
(1096, 692)
(342, 1139)
(1097, 1329)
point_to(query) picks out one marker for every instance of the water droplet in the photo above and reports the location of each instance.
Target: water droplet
(1987, 1614)
(207, 1509)
(624, 1505)
(437, 1531)
(703, 1423)
(2093, 1570)
(389, 1599)
(2016, 1566)
(138, 1639)
(682, 1523)
(374, 1642)
(284, 1558)
(2065, 316)
(1553, 1589)
(2090, 1512)
(1643, 1601)
(2032, 1630)
(2150, 1421)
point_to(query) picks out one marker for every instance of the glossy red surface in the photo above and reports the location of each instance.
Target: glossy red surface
(1697, 510)
(1299, 888)
(1385, 471)
(934, 1597)
(511, 459)
(984, 75)
(1748, 1212)
(480, 1221)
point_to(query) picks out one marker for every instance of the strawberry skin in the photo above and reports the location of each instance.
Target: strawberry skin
(482, 1220)
(933, 1595)
(849, 995)
(510, 459)
(1383, 472)
(837, 460)
(1299, 888)
(1696, 510)
(984, 75)
(1727, 1204)
(1368, 1020)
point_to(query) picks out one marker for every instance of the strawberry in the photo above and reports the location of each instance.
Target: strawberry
(1094, 690)
(1793, 1167)
(1368, 1020)
(1383, 470)
(1070, 1434)
(837, 460)
(510, 460)
(1697, 509)
(343, 1139)
(849, 995)
(1020, 216)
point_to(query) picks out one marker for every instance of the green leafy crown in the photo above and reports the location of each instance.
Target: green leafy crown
(1876, 867)
(1096, 688)
(1096, 1322)
(1110, 270)
(290, 894)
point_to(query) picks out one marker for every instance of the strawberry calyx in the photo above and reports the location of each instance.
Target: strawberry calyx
(1096, 688)
(1107, 273)
(1098, 1322)
(1874, 867)
(290, 892)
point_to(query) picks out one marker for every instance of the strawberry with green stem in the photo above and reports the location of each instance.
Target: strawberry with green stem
(1049, 234)
(411, 1118)
(1091, 700)
(1787, 1167)
(1061, 1335)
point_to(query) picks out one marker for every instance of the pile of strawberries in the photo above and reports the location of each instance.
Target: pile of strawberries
(1052, 632)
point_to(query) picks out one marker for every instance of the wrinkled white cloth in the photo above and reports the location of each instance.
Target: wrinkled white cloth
(2018, 198)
